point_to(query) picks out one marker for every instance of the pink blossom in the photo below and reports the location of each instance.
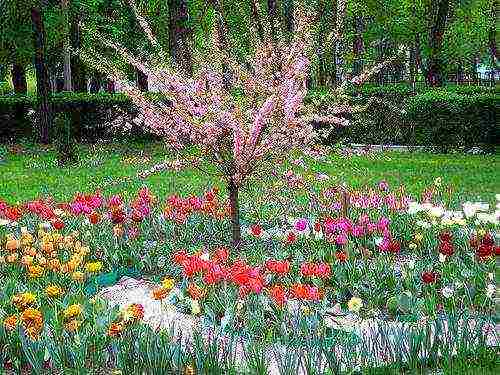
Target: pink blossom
(371, 227)
(341, 239)
(383, 185)
(364, 219)
(115, 200)
(301, 224)
(358, 231)
(383, 222)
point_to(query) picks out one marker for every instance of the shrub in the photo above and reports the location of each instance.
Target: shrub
(90, 113)
(450, 120)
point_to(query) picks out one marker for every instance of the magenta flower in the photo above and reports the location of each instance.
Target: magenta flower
(371, 227)
(301, 224)
(358, 231)
(383, 185)
(383, 223)
(341, 239)
(115, 200)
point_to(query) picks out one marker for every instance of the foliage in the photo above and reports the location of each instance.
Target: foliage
(450, 120)
(91, 114)
(403, 282)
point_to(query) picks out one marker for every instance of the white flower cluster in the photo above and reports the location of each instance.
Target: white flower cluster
(470, 210)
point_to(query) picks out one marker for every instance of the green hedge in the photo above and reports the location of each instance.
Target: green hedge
(89, 112)
(450, 120)
(454, 117)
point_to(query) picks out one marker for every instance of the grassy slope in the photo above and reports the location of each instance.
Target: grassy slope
(33, 172)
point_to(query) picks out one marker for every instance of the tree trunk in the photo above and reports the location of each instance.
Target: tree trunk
(435, 75)
(473, 70)
(321, 45)
(221, 27)
(273, 17)
(95, 82)
(20, 87)
(179, 35)
(257, 20)
(142, 80)
(235, 213)
(78, 71)
(492, 40)
(42, 77)
(288, 8)
(110, 87)
(339, 14)
(19, 79)
(358, 46)
(66, 48)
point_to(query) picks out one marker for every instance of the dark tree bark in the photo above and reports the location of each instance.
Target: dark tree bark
(221, 27)
(68, 86)
(492, 40)
(110, 87)
(435, 75)
(20, 87)
(180, 34)
(235, 212)
(78, 70)
(339, 14)
(288, 8)
(358, 45)
(272, 14)
(142, 80)
(42, 77)
(19, 79)
(473, 70)
(95, 82)
(321, 44)
(460, 71)
(257, 20)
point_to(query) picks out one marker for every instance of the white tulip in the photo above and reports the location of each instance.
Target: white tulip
(447, 291)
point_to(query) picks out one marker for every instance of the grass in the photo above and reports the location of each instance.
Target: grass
(31, 171)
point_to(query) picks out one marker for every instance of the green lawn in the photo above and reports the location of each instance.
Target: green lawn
(33, 171)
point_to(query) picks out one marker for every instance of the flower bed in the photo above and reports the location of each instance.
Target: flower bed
(325, 277)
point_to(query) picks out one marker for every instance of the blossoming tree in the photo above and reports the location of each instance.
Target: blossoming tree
(238, 134)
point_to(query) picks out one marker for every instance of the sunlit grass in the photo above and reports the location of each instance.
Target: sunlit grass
(113, 168)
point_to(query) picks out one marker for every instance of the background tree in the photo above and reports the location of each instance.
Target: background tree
(44, 112)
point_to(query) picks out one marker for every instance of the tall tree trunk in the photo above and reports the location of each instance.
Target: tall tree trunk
(95, 82)
(492, 40)
(19, 79)
(110, 87)
(78, 70)
(339, 15)
(358, 45)
(435, 75)
(68, 86)
(179, 35)
(473, 70)
(235, 212)
(221, 27)
(42, 77)
(257, 20)
(321, 44)
(142, 80)
(288, 8)
(333, 66)
(20, 87)
(272, 13)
